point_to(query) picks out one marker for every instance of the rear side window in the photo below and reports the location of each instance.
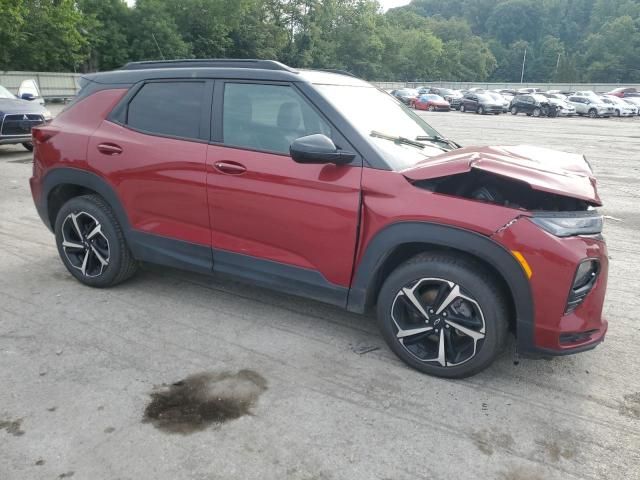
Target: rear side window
(268, 117)
(168, 108)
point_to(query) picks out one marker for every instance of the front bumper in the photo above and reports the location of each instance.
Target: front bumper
(15, 139)
(553, 262)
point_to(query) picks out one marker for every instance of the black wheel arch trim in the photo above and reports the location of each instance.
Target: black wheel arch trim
(366, 280)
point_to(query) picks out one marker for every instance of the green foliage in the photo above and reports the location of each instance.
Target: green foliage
(463, 40)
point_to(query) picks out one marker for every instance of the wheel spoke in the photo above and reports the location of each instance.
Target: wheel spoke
(97, 229)
(453, 294)
(83, 268)
(409, 293)
(467, 331)
(74, 219)
(414, 331)
(442, 360)
(99, 256)
(77, 246)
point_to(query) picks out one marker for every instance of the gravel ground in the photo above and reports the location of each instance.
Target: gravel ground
(78, 365)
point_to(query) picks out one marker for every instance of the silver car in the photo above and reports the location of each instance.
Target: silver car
(565, 109)
(594, 107)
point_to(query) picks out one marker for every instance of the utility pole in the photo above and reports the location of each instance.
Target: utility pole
(524, 61)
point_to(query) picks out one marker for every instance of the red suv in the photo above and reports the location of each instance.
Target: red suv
(319, 184)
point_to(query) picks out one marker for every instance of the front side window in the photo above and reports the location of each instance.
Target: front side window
(168, 108)
(268, 117)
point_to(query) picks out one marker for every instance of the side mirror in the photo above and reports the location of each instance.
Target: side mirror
(318, 148)
(27, 96)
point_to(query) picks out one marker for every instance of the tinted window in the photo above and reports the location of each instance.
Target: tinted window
(168, 108)
(267, 117)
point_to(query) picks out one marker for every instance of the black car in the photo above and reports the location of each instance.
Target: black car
(533, 105)
(405, 95)
(481, 103)
(17, 117)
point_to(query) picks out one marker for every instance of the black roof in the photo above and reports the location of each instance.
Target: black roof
(241, 69)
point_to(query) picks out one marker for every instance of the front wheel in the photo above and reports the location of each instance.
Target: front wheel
(593, 113)
(432, 108)
(480, 110)
(91, 243)
(618, 113)
(537, 112)
(514, 110)
(28, 146)
(462, 109)
(443, 315)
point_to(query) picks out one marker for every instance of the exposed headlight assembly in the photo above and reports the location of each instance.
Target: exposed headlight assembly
(569, 226)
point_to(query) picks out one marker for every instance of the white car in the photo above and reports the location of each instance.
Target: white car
(594, 107)
(633, 101)
(622, 108)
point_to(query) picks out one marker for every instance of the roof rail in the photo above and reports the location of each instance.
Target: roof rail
(209, 62)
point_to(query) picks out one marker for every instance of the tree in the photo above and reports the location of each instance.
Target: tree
(153, 33)
(11, 30)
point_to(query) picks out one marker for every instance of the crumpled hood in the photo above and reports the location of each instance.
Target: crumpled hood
(15, 105)
(561, 173)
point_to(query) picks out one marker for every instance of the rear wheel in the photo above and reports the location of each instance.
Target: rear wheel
(593, 113)
(91, 243)
(462, 109)
(514, 110)
(480, 110)
(443, 315)
(432, 108)
(537, 112)
(28, 146)
(618, 113)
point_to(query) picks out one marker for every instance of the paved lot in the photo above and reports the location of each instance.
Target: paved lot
(77, 365)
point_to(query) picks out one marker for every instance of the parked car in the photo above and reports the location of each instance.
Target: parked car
(621, 107)
(622, 91)
(323, 186)
(454, 97)
(17, 117)
(564, 108)
(633, 100)
(594, 107)
(432, 103)
(529, 90)
(500, 99)
(480, 103)
(405, 95)
(536, 105)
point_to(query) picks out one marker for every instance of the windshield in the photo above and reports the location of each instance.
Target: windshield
(371, 110)
(485, 97)
(4, 93)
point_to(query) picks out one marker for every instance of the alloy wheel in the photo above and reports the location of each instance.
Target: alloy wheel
(84, 244)
(437, 322)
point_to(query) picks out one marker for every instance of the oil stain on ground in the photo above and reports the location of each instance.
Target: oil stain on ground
(12, 427)
(204, 399)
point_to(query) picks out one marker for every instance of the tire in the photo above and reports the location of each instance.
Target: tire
(91, 243)
(536, 112)
(514, 110)
(441, 349)
(480, 110)
(462, 109)
(432, 108)
(618, 113)
(593, 113)
(28, 146)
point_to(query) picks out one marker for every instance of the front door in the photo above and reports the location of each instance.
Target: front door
(287, 225)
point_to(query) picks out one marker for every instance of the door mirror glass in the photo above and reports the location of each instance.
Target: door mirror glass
(318, 148)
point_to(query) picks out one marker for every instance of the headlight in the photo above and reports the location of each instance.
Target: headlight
(47, 115)
(562, 226)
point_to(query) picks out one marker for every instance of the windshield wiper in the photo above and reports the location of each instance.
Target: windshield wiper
(438, 139)
(397, 139)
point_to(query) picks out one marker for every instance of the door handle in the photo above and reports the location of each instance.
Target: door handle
(230, 168)
(109, 149)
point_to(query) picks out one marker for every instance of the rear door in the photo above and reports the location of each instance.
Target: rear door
(153, 152)
(285, 224)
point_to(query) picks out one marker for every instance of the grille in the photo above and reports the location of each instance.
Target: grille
(19, 124)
